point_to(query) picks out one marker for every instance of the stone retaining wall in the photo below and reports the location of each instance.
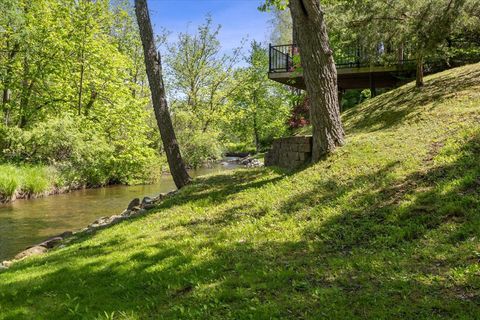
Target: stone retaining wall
(290, 152)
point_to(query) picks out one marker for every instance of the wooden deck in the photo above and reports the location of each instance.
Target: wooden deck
(356, 78)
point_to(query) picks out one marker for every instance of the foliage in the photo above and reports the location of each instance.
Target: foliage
(385, 228)
(36, 180)
(200, 147)
(259, 108)
(74, 94)
(416, 30)
(351, 98)
(439, 32)
(84, 154)
(240, 147)
(29, 180)
(300, 114)
(9, 182)
(273, 4)
(198, 75)
(199, 79)
(215, 101)
(281, 24)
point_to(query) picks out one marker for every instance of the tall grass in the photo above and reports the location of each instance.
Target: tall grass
(35, 180)
(9, 181)
(30, 180)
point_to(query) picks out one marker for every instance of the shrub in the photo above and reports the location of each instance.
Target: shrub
(240, 147)
(199, 148)
(83, 152)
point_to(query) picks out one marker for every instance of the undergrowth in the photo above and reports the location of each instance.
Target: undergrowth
(30, 180)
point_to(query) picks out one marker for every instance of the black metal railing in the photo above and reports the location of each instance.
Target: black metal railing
(285, 58)
(282, 58)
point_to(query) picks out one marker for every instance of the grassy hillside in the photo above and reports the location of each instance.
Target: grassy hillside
(386, 228)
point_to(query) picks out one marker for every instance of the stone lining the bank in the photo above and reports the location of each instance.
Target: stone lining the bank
(290, 152)
(135, 208)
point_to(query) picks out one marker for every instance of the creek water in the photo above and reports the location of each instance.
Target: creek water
(26, 222)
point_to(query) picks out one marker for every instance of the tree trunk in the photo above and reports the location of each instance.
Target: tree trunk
(6, 96)
(27, 86)
(419, 81)
(154, 72)
(256, 134)
(80, 84)
(6, 105)
(320, 76)
(400, 54)
(340, 98)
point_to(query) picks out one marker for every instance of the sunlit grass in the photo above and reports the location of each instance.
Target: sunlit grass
(386, 228)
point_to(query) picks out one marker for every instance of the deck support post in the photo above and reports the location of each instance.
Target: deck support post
(373, 89)
(340, 97)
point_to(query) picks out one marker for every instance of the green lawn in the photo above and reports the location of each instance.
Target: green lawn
(387, 228)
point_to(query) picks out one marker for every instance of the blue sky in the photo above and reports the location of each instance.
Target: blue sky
(239, 19)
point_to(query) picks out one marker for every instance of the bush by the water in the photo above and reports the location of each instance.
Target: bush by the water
(200, 147)
(84, 154)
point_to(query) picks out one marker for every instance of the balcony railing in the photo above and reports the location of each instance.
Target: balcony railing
(285, 58)
(281, 58)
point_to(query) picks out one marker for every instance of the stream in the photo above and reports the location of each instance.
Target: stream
(26, 222)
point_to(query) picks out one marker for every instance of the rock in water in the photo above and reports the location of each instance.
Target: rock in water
(115, 219)
(250, 162)
(134, 203)
(126, 213)
(50, 243)
(146, 201)
(33, 251)
(66, 234)
(159, 198)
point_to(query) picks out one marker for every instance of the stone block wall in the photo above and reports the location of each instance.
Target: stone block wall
(290, 152)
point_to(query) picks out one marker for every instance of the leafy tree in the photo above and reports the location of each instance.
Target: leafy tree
(200, 79)
(75, 63)
(199, 75)
(282, 28)
(259, 106)
(418, 27)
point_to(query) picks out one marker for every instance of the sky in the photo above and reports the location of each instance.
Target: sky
(240, 19)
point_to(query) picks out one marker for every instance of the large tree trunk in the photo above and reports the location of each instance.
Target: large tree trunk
(154, 72)
(320, 75)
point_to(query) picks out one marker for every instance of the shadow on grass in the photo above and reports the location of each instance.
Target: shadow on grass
(442, 195)
(391, 109)
(215, 189)
(401, 250)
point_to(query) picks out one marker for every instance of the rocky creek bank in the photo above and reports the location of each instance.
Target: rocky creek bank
(247, 161)
(135, 208)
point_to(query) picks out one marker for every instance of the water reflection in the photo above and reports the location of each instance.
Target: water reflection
(26, 222)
